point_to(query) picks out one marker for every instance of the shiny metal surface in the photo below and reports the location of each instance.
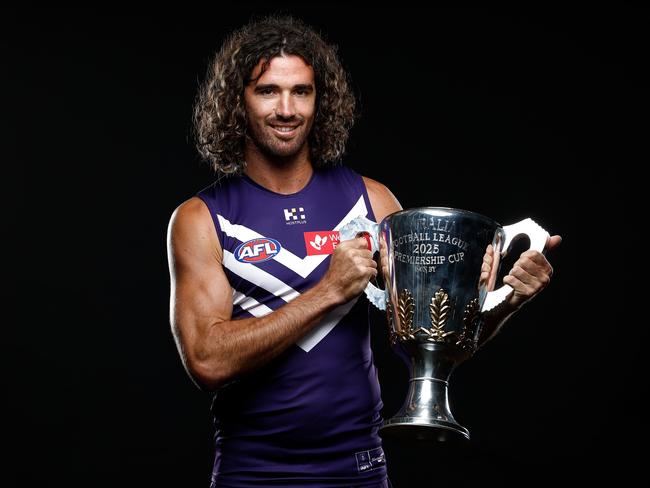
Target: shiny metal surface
(431, 251)
(430, 260)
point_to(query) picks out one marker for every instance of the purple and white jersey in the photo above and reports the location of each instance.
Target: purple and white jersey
(309, 417)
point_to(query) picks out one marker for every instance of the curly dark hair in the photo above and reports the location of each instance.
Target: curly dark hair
(219, 117)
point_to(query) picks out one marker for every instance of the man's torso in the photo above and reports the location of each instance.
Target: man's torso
(309, 417)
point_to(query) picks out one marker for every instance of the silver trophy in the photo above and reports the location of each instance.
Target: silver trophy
(434, 297)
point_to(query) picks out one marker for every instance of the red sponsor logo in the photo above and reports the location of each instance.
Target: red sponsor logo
(321, 242)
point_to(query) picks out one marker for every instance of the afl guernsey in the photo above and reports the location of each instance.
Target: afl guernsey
(309, 417)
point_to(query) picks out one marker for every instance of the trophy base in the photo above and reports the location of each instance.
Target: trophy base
(429, 430)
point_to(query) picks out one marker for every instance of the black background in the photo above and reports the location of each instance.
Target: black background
(511, 114)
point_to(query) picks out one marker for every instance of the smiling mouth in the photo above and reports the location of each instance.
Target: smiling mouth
(284, 128)
(285, 132)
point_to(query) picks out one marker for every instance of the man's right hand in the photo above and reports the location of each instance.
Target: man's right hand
(351, 268)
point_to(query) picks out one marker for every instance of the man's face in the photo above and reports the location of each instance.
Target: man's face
(281, 106)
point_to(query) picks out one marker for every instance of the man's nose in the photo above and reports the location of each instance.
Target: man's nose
(285, 107)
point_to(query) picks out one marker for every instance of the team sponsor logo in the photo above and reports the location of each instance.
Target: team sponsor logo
(321, 242)
(257, 250)
(295, 216)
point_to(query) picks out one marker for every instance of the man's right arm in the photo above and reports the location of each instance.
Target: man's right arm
(216, 349)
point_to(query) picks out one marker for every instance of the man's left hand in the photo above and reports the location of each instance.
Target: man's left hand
(530, 274)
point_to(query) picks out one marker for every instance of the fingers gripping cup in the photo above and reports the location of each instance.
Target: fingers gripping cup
(366, 236)
(431, 260)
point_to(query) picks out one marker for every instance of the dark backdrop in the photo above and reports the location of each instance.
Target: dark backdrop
(511, 114)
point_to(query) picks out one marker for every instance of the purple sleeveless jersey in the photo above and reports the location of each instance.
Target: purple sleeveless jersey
(309, 417)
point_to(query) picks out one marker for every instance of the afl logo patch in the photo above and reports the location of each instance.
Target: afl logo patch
(257, 250)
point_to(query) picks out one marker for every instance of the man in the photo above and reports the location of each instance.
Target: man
(264, 310)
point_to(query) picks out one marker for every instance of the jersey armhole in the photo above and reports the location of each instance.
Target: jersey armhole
(215, 219)
(364, 191)
(361, 187)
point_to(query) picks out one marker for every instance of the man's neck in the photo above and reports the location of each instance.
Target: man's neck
(284, 176)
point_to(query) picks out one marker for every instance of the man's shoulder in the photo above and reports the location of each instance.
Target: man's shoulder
(193, 212)
(375, 187)
(382, 200)
(191, 231)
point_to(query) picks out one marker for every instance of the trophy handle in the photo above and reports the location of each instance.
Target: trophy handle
(356, 228)
(538, 237)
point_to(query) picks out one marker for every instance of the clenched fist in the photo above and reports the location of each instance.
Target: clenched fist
(351, 267)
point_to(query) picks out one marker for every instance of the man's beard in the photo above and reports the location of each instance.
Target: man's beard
(276, 148)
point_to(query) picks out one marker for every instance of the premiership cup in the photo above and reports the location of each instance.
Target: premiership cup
(435, 299)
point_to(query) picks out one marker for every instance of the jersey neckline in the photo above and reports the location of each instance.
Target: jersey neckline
(255, 184)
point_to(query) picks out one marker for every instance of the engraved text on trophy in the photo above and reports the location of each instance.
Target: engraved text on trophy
(433, 244)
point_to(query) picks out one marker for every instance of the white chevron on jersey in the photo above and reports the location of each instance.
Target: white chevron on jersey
(301, 266)
(280, 289)
(252, 306)
(311, 338)
(259, 277)
(318, 333)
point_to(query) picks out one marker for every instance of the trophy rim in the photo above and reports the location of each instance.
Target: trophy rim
(453, 209)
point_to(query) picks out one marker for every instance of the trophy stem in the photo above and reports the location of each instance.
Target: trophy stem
(426, 413)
